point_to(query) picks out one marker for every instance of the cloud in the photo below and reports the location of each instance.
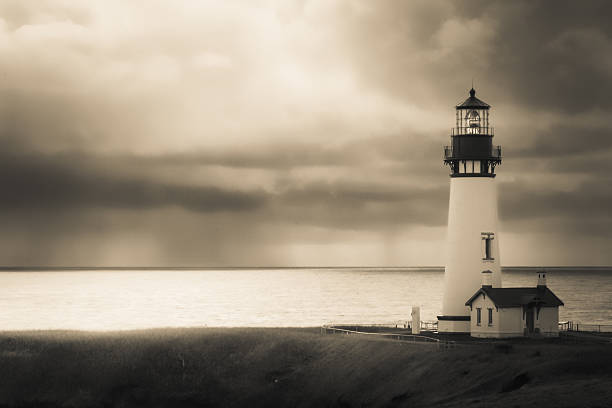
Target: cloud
(567, 140)
(212, 60)
(73, 180)
(590, 199)
(48, 182)
(77, 208)
(363, 206)
(271, 120)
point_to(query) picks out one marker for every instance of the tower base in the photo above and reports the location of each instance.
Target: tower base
(454, 324)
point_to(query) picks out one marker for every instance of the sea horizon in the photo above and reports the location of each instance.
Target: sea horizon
(117, 298)
(509, 268)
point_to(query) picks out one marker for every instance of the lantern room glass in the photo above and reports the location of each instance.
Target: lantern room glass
(472, 121)
(473, 118)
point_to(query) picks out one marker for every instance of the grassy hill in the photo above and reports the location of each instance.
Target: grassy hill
(204, 367)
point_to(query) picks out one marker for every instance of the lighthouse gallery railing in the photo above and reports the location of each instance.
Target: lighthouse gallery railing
(470, 130)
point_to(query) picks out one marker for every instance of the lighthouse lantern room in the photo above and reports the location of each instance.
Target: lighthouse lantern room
(472, 240)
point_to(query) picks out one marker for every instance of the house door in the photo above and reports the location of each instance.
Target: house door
(529, 319)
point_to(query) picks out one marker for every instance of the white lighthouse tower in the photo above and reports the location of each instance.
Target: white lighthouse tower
(472, 241)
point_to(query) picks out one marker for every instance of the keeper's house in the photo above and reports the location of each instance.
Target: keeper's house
(514, 312)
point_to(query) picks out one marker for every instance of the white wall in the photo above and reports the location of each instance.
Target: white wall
(453, 326)
(510, 322)
(472, 210)
(507, 322)
(548, 321)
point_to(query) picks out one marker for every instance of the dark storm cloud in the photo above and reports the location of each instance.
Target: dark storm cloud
(364, 206)
(561, 141)
(539, 54)
(591, 199)
(579, 215)
(50, 182)
(80, 181)
(554, 55)
(588, 165)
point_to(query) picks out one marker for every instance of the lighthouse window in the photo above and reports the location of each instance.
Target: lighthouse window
(470, 166)
(487, 247)
(484, 168)
(478, 316)
(490, 317)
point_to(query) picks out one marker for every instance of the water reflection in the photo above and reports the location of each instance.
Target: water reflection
(111, 300)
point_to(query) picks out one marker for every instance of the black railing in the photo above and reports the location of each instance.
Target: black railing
(449, 154)
(481, 130)
(585, 327)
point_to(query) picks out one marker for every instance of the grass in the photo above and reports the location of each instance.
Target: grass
(202, 367)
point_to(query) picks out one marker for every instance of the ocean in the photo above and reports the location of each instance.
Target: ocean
(279, 297)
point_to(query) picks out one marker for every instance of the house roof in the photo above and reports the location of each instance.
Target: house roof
(515, 297)
(473, 102)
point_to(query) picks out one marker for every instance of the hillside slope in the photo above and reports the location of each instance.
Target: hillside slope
(292, 367)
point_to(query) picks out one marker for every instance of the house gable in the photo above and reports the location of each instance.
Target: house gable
(513, 312)
(517, 297)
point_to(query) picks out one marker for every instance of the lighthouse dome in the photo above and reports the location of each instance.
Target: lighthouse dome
(473, 102)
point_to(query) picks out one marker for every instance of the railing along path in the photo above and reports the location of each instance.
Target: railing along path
(410, 338)
(571, 326)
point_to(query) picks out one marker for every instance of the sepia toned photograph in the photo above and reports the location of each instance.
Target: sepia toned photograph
(305, 203)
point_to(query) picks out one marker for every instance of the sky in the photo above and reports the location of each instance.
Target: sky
(296, 132)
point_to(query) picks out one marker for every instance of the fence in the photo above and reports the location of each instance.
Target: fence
(433, 326)
(400, 324)
(585, 327)
(411, 338)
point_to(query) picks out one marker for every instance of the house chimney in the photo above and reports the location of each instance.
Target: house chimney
(487, 279)
(541, 279)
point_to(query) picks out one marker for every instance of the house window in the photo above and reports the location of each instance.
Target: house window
(478, 316)
(487, 248)
(490, 317)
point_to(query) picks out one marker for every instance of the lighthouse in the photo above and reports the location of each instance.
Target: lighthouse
(472, 240)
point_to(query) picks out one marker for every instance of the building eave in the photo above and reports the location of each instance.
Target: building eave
(524, 299)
